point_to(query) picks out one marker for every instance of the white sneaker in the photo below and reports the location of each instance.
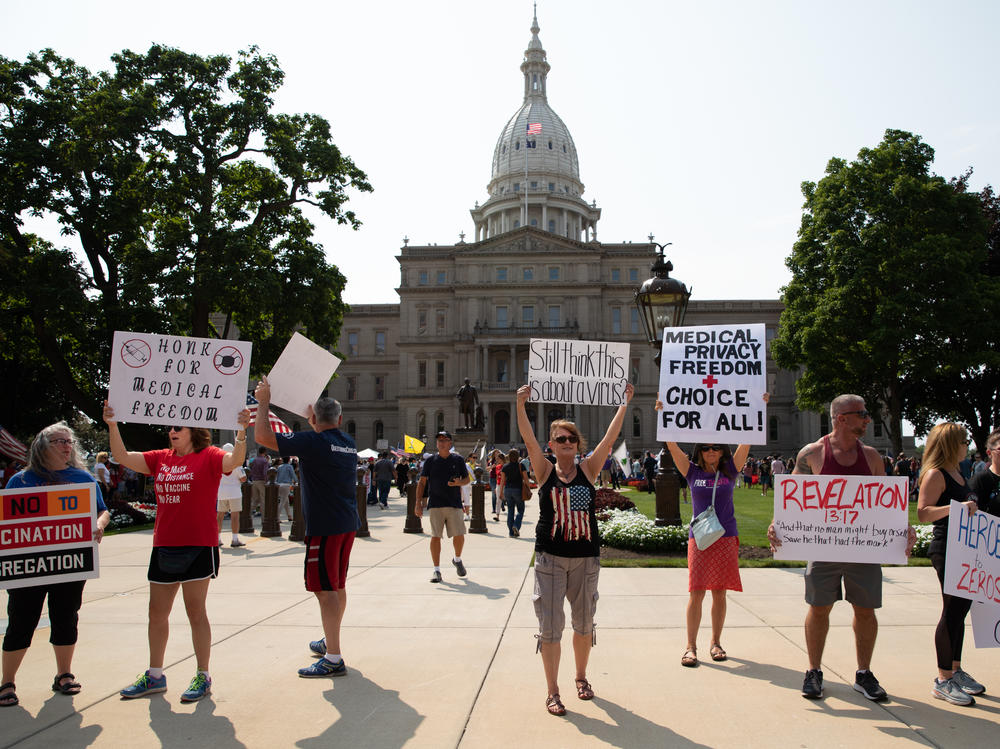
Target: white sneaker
(949, 691)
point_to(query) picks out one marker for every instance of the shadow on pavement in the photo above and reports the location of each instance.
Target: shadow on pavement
(58, 712)
(200, 728)
(629, 730)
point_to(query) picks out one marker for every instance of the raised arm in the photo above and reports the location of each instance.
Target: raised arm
(263, 434)
(681, 461)
(592, 466)
(539, 465)
(132, 460)
(234, 460)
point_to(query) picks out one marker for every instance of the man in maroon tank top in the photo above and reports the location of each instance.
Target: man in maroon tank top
(841, 453)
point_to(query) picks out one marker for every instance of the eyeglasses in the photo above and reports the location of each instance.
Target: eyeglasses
(62, 441)
(717, 448)
(863, 414)
(562, 439)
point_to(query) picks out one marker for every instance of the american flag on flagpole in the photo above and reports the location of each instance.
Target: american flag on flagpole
(277, 425)
(10, 446)
(571, 505)
(534, 128)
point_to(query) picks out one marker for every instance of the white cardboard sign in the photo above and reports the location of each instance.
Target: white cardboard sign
(841, 518)
(986, 625)
(590, 373)
(712, 384)
(301, 373)
(169, 379)
(972, 565)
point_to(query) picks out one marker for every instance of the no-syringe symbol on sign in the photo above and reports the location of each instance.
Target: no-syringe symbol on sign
(136, 353)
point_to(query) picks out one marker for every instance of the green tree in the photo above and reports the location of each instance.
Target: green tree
(884, 278)
(183, 192)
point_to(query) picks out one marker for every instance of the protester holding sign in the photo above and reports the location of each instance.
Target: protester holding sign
(940, 483)
(711, 474)
(185, 552)
(567, 544)
(53, 459)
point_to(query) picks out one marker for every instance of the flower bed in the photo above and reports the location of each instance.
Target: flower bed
(630, 529)
(129, 514)
(607, 500)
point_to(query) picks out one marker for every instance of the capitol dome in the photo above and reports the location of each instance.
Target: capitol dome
(535, 179)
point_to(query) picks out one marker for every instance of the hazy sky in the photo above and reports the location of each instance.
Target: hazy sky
(696, 121)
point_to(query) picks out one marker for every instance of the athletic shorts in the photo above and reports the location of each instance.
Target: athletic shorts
(327, 559)
(183, 564)
(862, 584)
(451, 517)
(230, 505)
(558, 579)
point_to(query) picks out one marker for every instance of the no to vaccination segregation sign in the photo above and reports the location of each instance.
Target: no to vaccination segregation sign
(712, 384)
(589, 373)
(841, 518)
(47, 535)
(972, 564)
(177, 380)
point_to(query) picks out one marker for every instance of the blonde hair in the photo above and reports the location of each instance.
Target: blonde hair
(569, 426)
(946, 445)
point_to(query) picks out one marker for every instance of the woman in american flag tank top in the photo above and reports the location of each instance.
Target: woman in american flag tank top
(567, 544)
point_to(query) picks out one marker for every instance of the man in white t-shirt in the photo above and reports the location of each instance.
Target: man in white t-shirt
(231, 500)
(777, 466)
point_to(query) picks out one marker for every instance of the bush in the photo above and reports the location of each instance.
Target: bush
(126, 514)
(608, 500)
(923, 545)
(629, 529)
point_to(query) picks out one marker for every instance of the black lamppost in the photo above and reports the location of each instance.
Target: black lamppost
(662, 302)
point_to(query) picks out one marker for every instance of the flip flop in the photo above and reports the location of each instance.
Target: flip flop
(690, 658)
(71, 687)
(718, 654)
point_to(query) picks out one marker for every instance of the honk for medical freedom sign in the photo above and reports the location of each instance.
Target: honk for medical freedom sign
(47, 535)
(590, 373)
(712, 384)
(841, 518)
(972, 564)
(178, 380)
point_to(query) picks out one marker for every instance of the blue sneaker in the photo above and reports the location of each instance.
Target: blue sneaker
(318, 647)
(144, 685)
(322, 669)
(200, 686)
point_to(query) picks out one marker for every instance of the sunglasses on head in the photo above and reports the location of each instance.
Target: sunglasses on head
(711, 447)
(564, 438)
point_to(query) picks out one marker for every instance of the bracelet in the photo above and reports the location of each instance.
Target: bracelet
(242, 440)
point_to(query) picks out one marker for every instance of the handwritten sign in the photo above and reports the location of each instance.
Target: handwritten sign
(972, 565)
(169, 379)
(841, 518)
(712, 384)
(301, 373)
(986, 625)
(591, 373)
(46, 535)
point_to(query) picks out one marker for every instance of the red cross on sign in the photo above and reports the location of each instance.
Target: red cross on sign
(710, 381)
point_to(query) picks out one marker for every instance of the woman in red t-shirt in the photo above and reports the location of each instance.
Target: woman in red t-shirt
(185, 552)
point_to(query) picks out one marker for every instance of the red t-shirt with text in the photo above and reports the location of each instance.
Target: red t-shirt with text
(187, 489)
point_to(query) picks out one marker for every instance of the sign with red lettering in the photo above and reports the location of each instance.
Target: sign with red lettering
(46, 535)
(178, 380)
(841, 518)
(972, 565)
(712, 384)
(986, 624)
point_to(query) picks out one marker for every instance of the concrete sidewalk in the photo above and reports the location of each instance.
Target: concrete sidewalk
(454, 665)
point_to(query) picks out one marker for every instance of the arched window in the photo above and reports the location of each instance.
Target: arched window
(517, 145)
(550, 145)
(772, 429)
(552, 226)
(352, 429)
(379, 431)
(421, 424)
(636, 423)
(501, 427)
(440, 421)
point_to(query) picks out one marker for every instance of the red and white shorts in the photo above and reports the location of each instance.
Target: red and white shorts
(326, 561)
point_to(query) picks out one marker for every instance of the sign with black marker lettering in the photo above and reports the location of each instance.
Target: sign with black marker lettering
(841, 518)
(590, 373)
(46, 535)
(178, 380)
(712, 384)
(972, 564)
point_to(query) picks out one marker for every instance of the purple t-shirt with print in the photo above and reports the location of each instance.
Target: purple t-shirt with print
(701, 483)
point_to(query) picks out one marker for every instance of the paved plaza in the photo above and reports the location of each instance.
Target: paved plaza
(454, 665)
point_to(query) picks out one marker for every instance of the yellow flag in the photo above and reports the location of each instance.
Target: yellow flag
(412, 445)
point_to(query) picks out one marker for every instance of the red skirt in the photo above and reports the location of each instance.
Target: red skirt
(715, 568)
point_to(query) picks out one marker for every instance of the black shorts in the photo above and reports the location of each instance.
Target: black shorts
(196, 563)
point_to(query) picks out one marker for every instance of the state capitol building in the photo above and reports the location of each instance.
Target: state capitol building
(535, 269)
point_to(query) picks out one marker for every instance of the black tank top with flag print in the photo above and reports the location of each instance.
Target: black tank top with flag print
(567, 523)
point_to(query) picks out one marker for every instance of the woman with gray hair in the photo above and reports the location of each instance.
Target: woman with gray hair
(53, 459)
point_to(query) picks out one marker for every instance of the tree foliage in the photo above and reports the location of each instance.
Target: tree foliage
(182, 193)
(887, 277)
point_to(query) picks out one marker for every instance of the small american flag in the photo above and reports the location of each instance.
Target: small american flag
(277, 425)
(534, 128)
(10, 446)
(571, 505)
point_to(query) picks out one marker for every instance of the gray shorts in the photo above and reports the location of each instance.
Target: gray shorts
(451, 517)
(862, 584)
(559, 578)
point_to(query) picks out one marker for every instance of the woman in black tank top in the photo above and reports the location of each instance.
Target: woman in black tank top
(941, 482)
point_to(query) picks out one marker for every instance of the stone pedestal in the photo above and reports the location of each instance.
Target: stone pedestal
(413, 524)
(362, 500)
(246, 514)
(298, 531)
(478, 524)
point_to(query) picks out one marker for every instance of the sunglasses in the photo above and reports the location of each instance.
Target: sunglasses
(863, 414)
(562, 439)
(717, 448)
(175, 429)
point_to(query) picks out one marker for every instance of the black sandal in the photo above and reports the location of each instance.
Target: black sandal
(9, 699)
(71, 687)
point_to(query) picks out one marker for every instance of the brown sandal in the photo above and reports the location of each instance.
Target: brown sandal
(9, 699)
(583, 689)
(718, 654)
(690, 658)
(554, 705)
